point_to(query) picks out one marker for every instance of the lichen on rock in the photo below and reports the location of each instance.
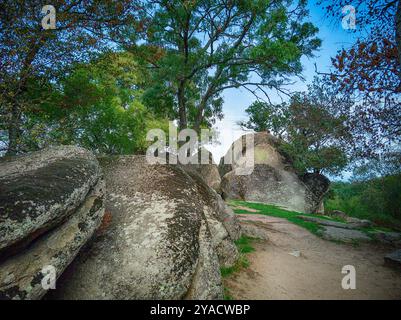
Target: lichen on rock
(160, 243)
(52, 209)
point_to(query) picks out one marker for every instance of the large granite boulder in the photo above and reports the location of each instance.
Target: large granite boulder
(224, 168)
(41, 189)
(51, 202)
(222, 223)
(208, 171)
(163, 241)
(273, 180)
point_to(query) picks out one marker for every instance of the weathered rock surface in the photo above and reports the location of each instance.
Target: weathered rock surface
(253, 230)
(359, 223)
(317, 186)
(224, 168)
(393, 238)
(355, 221)
(208, 171)
(221, 220)
(345, 235)
(273, 180)
(330, 223)
(162, 242)
(68, 200)
(40, 190)
(206, 282)
(21, 275)
(393, 259)
(338, 214)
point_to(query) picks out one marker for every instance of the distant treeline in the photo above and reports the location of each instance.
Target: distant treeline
(378, 200)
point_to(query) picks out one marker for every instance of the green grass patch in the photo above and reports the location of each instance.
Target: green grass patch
(244, 246)
(227, 294)
(241, 263)
(292, 216)
(274, 211)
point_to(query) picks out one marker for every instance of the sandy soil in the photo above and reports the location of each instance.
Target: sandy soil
(316, 274)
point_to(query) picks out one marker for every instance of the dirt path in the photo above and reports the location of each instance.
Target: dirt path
(276, 274)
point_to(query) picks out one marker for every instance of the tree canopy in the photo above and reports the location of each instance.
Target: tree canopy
(193, 50)
(29, 54)
(98, 105)
(198, 49)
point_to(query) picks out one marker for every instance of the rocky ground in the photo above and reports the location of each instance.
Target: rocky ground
(295, 264)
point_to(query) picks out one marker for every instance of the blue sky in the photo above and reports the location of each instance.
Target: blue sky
(333, 37)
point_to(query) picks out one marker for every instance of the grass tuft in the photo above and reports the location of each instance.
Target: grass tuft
(244, 246)
(241, 263)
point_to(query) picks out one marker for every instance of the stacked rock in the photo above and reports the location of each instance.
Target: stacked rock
(51, 202)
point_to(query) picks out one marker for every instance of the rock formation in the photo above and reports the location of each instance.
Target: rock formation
(316, 187)
(168, 234)
(273, 179)
(209, 172)
(393, 259)
(51, 202)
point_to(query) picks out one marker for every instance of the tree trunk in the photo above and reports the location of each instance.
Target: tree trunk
(13, 130)
(398, 31)
(181, 106)
(14, 126)
(199, 116)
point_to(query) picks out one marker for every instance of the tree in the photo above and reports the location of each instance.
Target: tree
(369, 71)
(375, 199)
(198, 49)
(98, 106)
(313, 136)
(31, 55)
(267, 117)
(380, 18)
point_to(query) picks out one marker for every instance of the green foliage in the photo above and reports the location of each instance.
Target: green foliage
(198, 49)
(244, 246)
(369, 69)
(33, 58)
(227, 294)
(265, 116)
(378, 200)
(187, 53)
(98, 106)
(241, 263)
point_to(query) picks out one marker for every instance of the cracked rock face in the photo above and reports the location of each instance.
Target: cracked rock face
(273, 180)
(40, 190)
(159, 244)
(208, 171)
(51, 202)
(222, 223)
